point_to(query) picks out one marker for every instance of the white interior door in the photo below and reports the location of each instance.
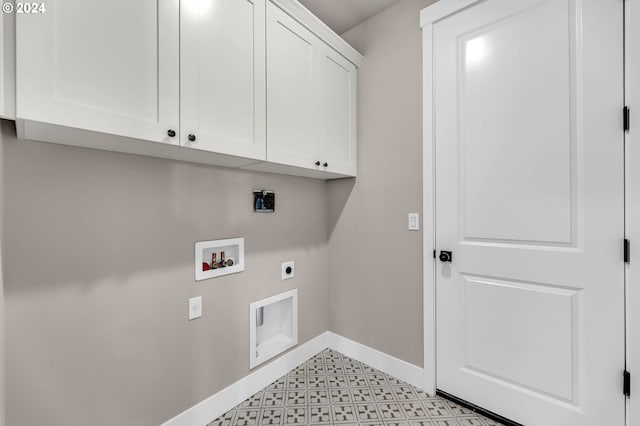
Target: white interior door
(222, 76)
(529, 198)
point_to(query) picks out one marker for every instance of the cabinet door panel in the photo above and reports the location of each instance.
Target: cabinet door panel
(336, 144)
(104, 66)
(291, 105)
(7, 67)
(223, 76)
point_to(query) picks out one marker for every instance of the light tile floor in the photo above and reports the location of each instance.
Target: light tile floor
(332, 388)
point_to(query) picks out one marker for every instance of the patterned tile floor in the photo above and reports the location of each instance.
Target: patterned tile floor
(332, 388)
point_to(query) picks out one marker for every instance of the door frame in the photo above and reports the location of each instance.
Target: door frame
(428, 17)
(632, 204)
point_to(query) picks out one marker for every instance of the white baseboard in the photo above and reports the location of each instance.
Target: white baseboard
(221, 402)
(393, 366)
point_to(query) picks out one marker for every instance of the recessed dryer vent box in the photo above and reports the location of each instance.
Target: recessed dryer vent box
(219, 257)
(273, 326)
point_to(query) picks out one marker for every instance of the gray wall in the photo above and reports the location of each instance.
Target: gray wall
(98, 257)
(377, 299)
(99, 266)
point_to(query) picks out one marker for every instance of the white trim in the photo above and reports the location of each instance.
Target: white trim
(442, 9)
(393, 366)
(428, 213)
(301, 14)
(221, 402)
(632, 204)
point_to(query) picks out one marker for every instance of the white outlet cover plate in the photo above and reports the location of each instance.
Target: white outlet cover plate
(285, 265)
(414, 221)
(195, 307)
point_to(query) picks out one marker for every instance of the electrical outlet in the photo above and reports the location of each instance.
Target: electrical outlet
(195, 307)
(288, 270)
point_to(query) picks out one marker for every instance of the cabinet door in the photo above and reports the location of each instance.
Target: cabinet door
(291, 105)
(223, 76)
(7, 67)
(106, 66)
(336, 141)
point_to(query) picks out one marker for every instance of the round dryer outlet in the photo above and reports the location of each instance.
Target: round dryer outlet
(288, 270)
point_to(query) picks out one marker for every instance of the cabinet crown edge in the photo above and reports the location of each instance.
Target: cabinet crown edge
(303, 15)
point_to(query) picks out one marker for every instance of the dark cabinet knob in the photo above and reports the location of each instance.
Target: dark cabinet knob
(171, 133)
(446, 256)
(317, 163)
(192, 138)
(325, 165)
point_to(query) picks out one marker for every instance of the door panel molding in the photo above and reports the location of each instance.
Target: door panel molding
(536, 374)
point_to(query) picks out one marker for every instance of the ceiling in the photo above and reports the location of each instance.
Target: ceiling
(342, 15)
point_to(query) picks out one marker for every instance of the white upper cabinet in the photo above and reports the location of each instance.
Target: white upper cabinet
(311, 121)
(291, 106)
(336, 135)
(222, 77)
(261, 84)
(105, 66)
(7, 66)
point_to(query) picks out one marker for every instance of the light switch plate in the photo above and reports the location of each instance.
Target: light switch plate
(195, 307)
(292, 272)
(414, 221)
